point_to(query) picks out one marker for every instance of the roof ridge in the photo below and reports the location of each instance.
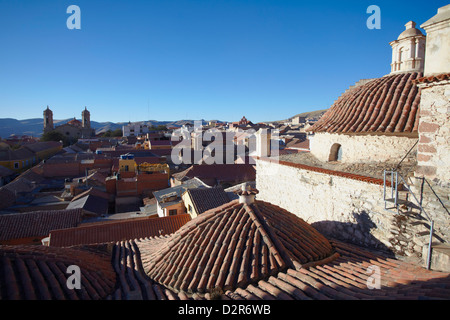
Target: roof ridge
(269, 237)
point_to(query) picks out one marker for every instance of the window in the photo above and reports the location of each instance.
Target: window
(173, 212)
(335, 152)
(16, 165)
(189, 208)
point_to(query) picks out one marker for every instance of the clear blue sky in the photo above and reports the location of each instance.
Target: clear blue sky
(191, 59)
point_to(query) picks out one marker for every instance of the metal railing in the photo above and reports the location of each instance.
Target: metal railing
(395, 178)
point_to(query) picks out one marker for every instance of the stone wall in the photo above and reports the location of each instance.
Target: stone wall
(362, 148)
(339, 205)
(433, 158)
(432, 183)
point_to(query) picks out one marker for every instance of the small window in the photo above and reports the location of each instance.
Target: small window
(173, 212)
(189, 208)
(335, 152)
(16, 165)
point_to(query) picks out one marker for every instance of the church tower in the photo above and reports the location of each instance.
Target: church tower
(48, 120)
(408, 51)
(86, 119)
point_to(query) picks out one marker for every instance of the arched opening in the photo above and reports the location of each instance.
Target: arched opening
(335, 152)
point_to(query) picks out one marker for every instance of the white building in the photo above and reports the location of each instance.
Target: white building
(134, 129)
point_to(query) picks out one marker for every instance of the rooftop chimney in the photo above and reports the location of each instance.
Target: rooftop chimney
(246, 194)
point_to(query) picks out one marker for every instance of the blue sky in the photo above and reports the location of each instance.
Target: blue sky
(192, 59)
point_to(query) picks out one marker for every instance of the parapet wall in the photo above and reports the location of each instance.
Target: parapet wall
(339, 205)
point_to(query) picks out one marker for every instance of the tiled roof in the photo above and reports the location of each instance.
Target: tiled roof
(433, 78)
(90, 203)
(343, 278)
(5, 172)
(7, 198)
(20, 154)
(219, 172)
(205, 199)
(232, 246)
(384, 105)
(37, 224)
(42, 146)
(347, 278)
(40, 273)
(117, 231)
(299, 145)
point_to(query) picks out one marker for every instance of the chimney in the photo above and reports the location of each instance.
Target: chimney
(246, 194)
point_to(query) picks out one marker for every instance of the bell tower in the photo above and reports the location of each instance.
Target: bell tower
(48, 120)
(408, 51)
(86, 118)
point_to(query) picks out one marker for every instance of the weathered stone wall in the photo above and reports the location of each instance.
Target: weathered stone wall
(349, 207)
(433, 158)
(362, 148)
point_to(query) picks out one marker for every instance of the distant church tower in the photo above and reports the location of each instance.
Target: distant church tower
(86, 119)
(408, 51)
(48, 120)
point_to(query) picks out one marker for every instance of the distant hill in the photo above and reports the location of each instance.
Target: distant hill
(310, 114)
(33, 127)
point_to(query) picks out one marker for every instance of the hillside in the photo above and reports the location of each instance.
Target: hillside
(310, 114)
(33, 127)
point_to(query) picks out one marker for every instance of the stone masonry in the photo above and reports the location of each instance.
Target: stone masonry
(345, 206)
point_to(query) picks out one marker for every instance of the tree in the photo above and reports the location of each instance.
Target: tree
(115, 133)
(55, 136)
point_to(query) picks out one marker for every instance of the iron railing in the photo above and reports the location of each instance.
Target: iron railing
(395, 178)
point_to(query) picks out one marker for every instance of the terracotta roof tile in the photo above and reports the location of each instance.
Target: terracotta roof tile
(117, 230)
(219, 172)
(233, 245)
(121, 271)
(384, 105)
(433, 78)
(37, 224)
(39, 273)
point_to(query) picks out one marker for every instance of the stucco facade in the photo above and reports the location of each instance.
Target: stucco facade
(361, 148)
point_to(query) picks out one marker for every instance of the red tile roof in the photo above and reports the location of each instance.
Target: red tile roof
(342, 277)
(219, 172)
(384, 105)
(37, 224)
(234, 245)
(433, 78)
(346, 278)
(117, 230)
(40, 273)
(30, 273)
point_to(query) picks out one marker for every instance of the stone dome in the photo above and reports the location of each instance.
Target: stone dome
(232, 246)
(411, 31)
